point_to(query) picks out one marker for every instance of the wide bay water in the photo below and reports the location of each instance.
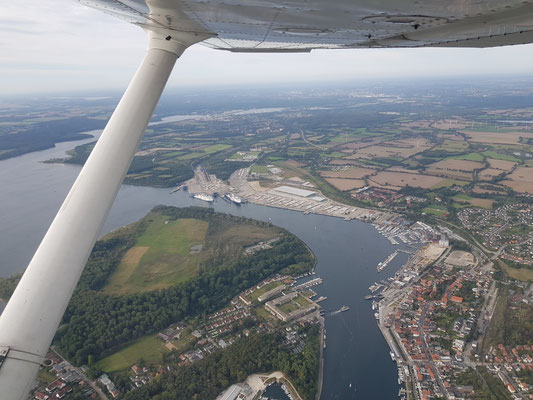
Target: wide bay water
(347, 252)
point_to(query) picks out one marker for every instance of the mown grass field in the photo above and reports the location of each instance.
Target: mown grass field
(264, 289)
(289, 307)
(149, 348)
(302, 301)
(161, 256)
(433, 210)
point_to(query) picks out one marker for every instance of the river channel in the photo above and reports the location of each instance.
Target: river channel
(357, 364)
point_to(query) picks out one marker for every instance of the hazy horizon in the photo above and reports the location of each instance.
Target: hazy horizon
(64, 46)
(347, 83)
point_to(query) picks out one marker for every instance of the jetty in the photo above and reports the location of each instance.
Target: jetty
(383, 264)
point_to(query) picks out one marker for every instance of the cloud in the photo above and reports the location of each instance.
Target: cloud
(60, 45)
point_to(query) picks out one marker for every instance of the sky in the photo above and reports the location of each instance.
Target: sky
(62, 46)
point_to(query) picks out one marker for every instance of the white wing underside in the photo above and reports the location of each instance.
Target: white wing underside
(299, 25)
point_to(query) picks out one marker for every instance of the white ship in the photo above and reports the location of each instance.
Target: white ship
(383, 264)
(233, 197)
(204, 197)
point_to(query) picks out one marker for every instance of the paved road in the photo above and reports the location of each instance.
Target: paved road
(426, 349)
(499, 251)
(92, 384)
(302, 134)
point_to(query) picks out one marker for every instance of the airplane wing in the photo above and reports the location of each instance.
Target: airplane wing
(31, 318)
(296, 25)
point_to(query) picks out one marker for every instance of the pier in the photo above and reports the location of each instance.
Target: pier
(383, 264)
(312, 282)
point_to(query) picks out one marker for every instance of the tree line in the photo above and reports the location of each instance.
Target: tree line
(260, 352)
(96, 324)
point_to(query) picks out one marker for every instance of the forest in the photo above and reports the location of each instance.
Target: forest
(44, 135)
(97, 325)
(8, 285)
(258, 353)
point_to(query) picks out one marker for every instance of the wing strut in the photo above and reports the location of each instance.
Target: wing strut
(31, 318)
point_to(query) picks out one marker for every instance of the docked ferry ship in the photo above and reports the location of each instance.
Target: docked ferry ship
(233, 197)
(204, 197)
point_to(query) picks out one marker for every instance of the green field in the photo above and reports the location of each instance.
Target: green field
(334, 154)
(469, 157)
(149, 348)
(162, 254)
(160, 257)
(452, 146)
(302, 301)
(449, 182)
(263, 314)
(295, 304)
(500, 156)
(289, 307)
(259, 169)
(435, 211)
(45, 375)
(521, 274)
(264, 289)
(215, 148)
(190, 156)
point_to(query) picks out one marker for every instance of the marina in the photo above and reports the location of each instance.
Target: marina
(373, 296)
(277, 391)
(312, 282)
(375, 287)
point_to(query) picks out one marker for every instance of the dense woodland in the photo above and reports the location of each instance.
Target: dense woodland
(97, 325)
(44, 135)
(178, 170)
(8, 285)
(205, 379)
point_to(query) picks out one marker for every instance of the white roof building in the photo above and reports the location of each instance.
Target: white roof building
(295, 191)
(231, 393)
